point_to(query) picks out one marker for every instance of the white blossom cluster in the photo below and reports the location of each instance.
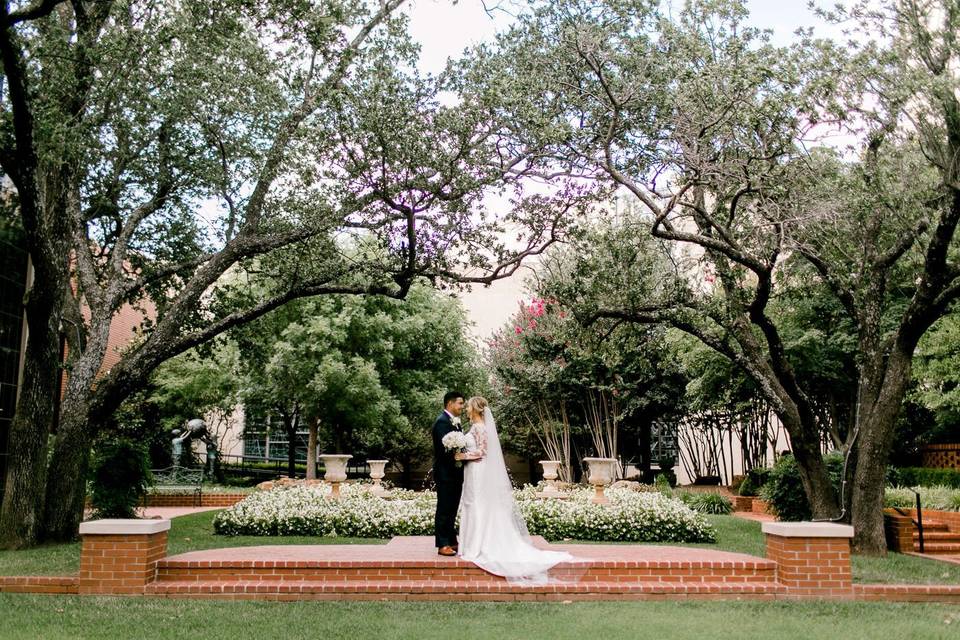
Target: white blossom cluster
(629, 517)
(308, 511)
(939, 498)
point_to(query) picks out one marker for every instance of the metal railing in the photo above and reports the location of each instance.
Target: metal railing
(919, 520)
(271, 468)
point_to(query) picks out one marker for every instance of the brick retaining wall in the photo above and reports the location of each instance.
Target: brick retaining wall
(190, 500)
(941, 456)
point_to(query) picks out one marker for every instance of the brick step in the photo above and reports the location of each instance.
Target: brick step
(450, 588)
(933, 525)
(937, 536)
(935, 548)
(172, 570)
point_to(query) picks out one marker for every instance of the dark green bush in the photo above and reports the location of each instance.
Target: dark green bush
(121, 477)
(924, 477)
(784, 489)
(753, 482)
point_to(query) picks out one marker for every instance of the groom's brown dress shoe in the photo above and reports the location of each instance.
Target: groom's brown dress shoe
(446, 551)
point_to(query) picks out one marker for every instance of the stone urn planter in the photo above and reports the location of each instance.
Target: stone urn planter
(335, 471)
(377, 472)
(601, 475)
(550, 475)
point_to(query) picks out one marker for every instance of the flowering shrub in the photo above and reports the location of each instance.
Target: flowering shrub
(630, 516)
(305, 510)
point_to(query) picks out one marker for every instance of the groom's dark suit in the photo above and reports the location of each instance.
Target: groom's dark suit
(448, 477)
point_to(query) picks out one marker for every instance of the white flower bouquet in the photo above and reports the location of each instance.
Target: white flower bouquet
(456, 442)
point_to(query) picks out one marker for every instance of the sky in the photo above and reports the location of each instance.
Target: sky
(445, 29)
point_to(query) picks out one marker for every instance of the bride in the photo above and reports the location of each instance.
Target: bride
(493, 535)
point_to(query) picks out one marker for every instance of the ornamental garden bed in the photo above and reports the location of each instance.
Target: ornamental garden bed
(631, 516)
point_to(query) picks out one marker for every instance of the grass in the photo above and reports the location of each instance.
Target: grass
(28, 616)
(187, 533)
(195, 532)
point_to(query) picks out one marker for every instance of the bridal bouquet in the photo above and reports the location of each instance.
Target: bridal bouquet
(455, 441)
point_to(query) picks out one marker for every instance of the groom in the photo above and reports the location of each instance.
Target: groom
(447, 475)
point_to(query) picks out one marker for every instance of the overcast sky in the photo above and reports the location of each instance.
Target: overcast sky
(445, 30)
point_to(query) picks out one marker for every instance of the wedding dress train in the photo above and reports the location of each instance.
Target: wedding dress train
(493, 535)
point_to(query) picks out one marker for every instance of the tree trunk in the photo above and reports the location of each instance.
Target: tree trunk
(877, 428)
(291, 426)
(312, 449)
(23, 500)
(21, 513)
(66, 489)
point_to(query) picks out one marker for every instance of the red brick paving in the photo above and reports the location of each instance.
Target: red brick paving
(409, 569)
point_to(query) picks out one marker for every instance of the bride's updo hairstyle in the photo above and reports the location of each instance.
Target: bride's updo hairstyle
(476, 405)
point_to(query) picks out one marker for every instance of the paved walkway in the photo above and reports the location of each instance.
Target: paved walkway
(156, 513)
(421, 549)
(172, 512)
(758, 517)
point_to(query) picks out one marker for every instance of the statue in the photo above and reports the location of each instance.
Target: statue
(196, 429)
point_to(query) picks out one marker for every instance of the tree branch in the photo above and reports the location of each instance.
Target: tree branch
(39, 9)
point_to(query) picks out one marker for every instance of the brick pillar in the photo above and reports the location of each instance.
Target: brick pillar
(120, 556)
(813, 558)
(899, 531)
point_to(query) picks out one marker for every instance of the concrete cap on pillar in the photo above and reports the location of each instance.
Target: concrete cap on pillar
(808, 529)
(122, 527)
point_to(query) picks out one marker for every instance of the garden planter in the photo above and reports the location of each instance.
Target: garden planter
(335, 471)
(601, 475)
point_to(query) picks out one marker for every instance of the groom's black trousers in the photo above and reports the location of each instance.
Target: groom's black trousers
(448, 502)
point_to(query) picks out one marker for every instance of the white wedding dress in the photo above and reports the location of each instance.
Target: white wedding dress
(493, 535)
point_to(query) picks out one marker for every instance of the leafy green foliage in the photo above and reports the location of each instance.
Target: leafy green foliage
(546, 361)
(924, 477)
(784, 489)
(754, 482)
(937, 373)
(120, 477)
(371, 370)
(702, 502)
(662, 484)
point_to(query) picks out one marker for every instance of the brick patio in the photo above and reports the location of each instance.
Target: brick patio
(804, 560)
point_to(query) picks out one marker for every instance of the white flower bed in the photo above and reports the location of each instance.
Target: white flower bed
(630, 516)
(296, 511)
(938, 498)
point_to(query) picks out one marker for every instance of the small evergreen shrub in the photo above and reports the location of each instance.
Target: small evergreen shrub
(662, 484)
(121, 477)
(784, 489)
(753, 482)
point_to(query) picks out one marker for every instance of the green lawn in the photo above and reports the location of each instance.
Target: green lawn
(27, 616)
(187, 533)
(194, 532)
